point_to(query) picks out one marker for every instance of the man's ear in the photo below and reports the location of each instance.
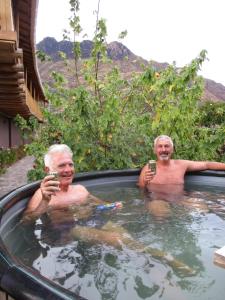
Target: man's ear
(46, 170)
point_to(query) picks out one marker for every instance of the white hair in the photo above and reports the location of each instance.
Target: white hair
(163, 137)
(57, 148)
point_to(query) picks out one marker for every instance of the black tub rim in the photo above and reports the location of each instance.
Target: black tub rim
(36, 286)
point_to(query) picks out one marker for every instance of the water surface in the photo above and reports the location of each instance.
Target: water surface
(188, 229)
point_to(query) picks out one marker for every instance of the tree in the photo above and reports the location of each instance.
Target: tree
(110, 122)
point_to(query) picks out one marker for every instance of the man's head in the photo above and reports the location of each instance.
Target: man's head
(59, 158)
(163, 147)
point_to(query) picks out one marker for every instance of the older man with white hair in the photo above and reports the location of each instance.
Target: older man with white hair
(171, 171)
(55, 193)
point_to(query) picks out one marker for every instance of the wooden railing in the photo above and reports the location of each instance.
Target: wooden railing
(33, 105)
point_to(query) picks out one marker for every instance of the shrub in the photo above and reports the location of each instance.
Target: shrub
(9, 156)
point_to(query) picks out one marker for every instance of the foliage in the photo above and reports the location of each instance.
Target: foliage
(42, 56)
(212, 114)
(76, 29)
(9, 156)
(110, 122)
(212, 130)
(173, 95)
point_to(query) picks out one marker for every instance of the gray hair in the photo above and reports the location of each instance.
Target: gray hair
(163, 137)
(57, 148)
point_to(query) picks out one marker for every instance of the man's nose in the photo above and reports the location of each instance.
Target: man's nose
(68, 168)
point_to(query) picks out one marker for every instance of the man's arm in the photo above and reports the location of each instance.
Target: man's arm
(94, 200)
(205, 165)
(141, 179)
(36, 207)
(38, 204)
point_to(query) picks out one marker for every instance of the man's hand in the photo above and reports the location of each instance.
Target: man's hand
(49, 186)
(148, 176)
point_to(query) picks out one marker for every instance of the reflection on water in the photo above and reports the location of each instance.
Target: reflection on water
(187, 228)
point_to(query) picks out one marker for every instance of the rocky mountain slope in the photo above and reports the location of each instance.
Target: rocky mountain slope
(126, 60)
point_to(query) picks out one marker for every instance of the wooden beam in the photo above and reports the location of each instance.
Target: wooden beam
(18, 96)
(15, 75)
(8, 36)
(8, 90)
(15, 54)
(11, 86)
(12, 81)
(11, 103)
(6, 18)
(11, 68)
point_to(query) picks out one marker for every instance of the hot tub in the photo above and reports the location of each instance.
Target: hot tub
(24, 281)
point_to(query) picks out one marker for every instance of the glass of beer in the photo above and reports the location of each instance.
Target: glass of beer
(152, 165)
(55, 174)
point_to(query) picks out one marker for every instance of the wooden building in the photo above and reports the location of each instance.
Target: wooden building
(21, 91)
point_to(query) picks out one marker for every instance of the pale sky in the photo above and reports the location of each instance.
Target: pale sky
(159, 30)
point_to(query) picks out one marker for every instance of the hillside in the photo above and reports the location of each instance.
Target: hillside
(121, 56)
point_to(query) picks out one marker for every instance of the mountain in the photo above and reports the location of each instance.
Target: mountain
(121, 56)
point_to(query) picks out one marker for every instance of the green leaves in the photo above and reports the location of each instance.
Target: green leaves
(42, 56)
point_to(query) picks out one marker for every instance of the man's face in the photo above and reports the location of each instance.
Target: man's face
(63, 165)
(163, 149)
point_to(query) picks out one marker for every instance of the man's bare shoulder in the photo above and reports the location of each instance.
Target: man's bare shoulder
(79, 187)
(182, 164)
(181, 161)
(190, 165)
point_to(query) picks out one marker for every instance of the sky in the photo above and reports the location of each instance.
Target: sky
(160, 30)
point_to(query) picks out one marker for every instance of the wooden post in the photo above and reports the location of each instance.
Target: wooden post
(5, 296)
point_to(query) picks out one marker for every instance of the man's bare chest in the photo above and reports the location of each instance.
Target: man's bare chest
(66, 199)
(170, 175)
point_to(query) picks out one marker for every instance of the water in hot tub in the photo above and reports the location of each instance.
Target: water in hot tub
(149, 249)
